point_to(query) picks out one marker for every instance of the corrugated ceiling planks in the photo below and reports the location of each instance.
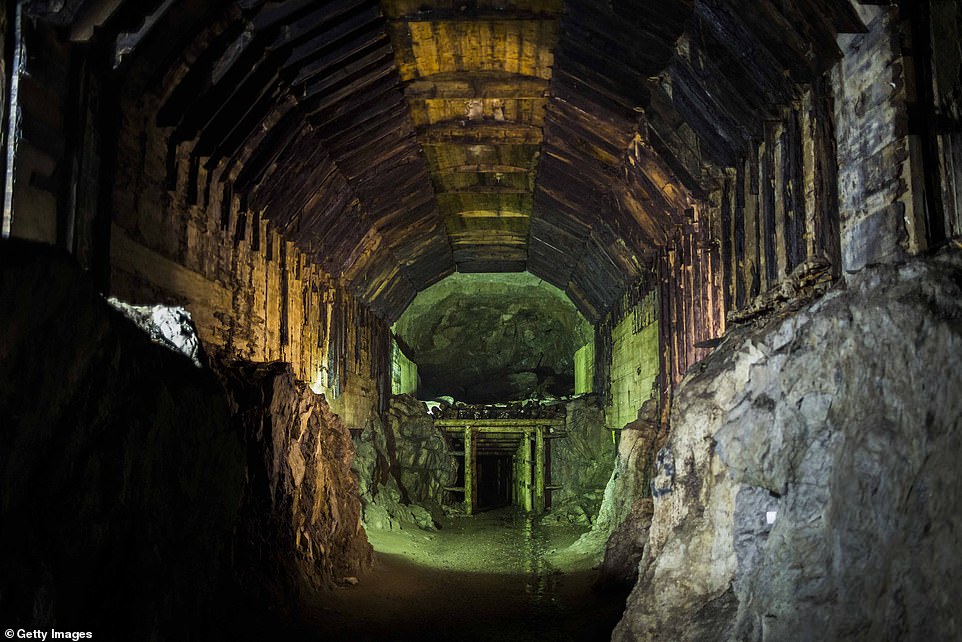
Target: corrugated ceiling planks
(398, 141)
(475, 81)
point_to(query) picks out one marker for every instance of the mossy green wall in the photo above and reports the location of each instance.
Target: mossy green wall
(404, 374)
(634, 363)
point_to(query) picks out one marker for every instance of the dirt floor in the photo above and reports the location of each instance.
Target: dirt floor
(498, 576)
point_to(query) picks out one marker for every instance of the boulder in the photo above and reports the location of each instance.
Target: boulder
(815, 491)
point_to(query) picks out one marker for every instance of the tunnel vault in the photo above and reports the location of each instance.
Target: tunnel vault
(397, 142)
(282, 162)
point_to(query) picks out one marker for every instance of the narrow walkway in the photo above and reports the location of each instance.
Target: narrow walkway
(496, 576)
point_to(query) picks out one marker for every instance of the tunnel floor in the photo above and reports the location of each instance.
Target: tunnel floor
(499, 575)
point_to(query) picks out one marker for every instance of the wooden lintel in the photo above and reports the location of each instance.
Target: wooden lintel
(476, 14)
(487, 425)
(486, 189)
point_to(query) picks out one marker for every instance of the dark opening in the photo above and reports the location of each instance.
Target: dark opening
(495, 474)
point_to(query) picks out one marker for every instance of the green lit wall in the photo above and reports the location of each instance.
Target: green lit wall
(404, 374)
(634, 363)
(585, 368)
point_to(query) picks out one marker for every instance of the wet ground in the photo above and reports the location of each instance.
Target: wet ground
(494, 576)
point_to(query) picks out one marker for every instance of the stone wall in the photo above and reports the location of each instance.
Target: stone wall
(810, 490)
(581, 463)
(300, 524)
(488, 338)
(403, 465)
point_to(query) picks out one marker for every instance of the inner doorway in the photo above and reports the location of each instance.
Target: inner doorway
(495, 481)
(496, 455)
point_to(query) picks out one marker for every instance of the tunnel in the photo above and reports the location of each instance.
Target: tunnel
(480, 319)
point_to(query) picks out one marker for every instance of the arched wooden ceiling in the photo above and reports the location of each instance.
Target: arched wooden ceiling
(476, 82)
(399, 141)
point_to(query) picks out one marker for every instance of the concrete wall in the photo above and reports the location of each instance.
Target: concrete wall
(404, 374)
(585, 368)
(634, 363)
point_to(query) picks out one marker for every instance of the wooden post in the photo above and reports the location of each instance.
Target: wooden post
(469, 470)
(526, 472)
(539, 469)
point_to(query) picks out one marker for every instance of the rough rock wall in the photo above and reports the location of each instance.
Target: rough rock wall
(581, 463)
(813, 485)
(300, 523)
(514, 335)
(620, 529)
(120, 475)
(403, 466)
(135, 501)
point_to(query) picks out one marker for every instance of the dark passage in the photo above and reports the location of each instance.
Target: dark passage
(494, 481)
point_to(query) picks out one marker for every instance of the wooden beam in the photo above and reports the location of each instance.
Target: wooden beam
(483, 169)
(480, 132)
(539, 470)
(527, 499)
(485, 189)
(475, 14)
(469, 470)
(493, 425)
(476, 84)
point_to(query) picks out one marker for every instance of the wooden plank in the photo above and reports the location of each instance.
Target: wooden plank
(767, 239)
(351, 46)
(752, 260)
(526, 487)
(475, 84)
(783, 232)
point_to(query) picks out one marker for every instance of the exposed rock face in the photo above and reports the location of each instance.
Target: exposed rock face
(815, 492)
(169, 326)
(424, 464)
(137, 502)
(621, 528)
(514, 337)
(403, 466)
(625, 546)
(581, 462)
(300, 525)
(120, 474)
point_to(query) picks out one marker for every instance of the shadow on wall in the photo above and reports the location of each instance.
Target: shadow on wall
(138, 499)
